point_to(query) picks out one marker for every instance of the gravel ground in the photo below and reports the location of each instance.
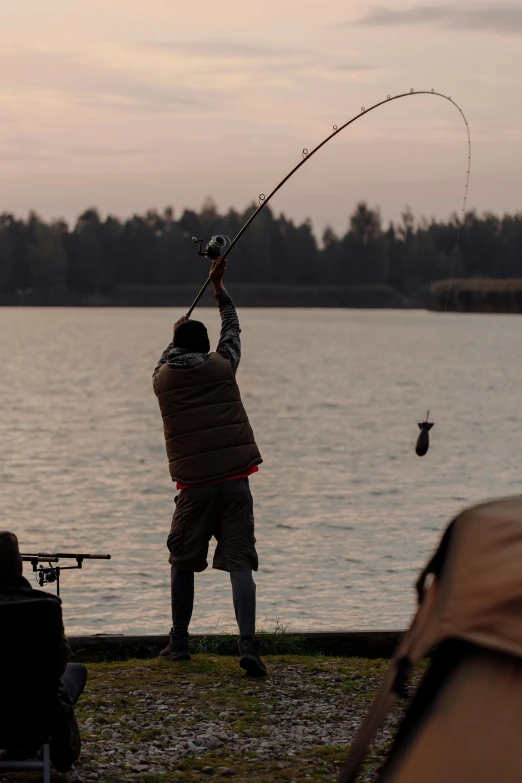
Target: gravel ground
(161, 721)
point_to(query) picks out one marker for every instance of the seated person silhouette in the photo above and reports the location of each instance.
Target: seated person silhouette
(39, 687)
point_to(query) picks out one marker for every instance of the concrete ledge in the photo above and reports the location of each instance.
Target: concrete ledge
(350, 644)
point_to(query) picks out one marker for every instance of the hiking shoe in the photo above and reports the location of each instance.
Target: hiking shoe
(249, 659)
(178, 647)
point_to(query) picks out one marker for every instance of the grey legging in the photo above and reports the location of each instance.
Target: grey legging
(243, 595)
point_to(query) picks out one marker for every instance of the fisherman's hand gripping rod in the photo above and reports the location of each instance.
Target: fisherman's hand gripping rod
(51, 573)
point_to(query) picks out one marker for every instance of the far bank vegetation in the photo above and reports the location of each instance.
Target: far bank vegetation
(106, 260)
(478, 296)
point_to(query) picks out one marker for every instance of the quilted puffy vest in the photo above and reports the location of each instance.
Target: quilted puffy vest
(207, 432)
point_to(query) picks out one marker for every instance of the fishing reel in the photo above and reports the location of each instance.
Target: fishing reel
(215, 247)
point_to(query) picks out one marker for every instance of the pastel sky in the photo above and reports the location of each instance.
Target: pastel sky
(128, 105)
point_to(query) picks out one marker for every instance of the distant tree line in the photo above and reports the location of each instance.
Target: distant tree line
(97, 255)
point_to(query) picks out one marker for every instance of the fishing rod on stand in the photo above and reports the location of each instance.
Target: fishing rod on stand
(50, 574)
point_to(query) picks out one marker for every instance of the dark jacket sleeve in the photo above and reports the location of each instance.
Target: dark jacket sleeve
(229, 346)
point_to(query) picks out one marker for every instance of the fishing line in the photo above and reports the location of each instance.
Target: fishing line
(423, 441)
(463, 210)
(425, 426)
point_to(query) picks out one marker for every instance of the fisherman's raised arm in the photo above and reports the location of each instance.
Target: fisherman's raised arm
(229, 346)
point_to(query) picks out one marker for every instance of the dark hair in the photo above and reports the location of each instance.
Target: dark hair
(10, 559)
(192, 336)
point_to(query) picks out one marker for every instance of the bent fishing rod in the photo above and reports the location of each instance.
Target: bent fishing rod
(218, 242)
(217, 246)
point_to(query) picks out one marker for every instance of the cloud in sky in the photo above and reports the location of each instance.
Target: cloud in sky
(499, 18)
(225, 49)
(90, 81)
(350, 67)
(223, 56)
(200, 76)
(112, 152)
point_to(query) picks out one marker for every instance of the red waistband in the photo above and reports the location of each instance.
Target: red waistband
(210, 483)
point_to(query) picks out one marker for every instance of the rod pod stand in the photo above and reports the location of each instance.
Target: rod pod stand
(46, 575)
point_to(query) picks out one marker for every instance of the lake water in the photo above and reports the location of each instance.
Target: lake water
(346, 513)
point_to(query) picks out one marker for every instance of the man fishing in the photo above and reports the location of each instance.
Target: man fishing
(212, 452)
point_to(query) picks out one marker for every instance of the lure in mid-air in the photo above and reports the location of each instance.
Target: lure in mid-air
(423, 441)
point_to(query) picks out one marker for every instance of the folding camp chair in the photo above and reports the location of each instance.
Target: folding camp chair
(30, 667)
(43, 764)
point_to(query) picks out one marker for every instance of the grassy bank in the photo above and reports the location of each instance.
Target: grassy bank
(354, 644)
(156, 720)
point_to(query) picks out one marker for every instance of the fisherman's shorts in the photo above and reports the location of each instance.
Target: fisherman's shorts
(225, 511)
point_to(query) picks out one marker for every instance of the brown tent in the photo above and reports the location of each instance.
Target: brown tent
(464, 723)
